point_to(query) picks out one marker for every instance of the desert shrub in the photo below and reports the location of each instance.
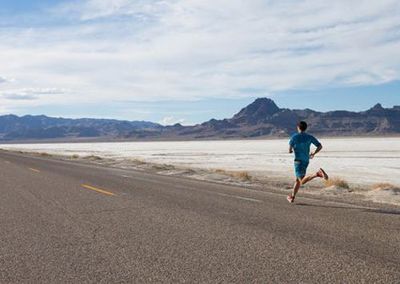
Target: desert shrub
(242, 175)
(138, 161)
(190, 171)
(338, 182)
(384, 186)
(93, 157)
(44, 154)
(163, 167)
(75, 156)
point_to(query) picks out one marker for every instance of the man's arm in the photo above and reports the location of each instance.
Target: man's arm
(319, 148)
(291, 144)
(317, 144)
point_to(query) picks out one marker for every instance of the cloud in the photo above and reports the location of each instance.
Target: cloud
(18, 97)
(5, 80)
(170, 120)
(95, 9)
(115, 50)
(29, 93)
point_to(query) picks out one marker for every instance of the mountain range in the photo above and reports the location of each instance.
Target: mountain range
(262, 118)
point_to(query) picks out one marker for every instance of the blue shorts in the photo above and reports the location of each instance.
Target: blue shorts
(300, 168)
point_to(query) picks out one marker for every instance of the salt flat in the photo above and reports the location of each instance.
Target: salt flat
(358, 160)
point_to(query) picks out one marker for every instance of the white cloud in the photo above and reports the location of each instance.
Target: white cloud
(170, 120)
(189, 49)
(13, 99)
(30, 93)
(94, 9)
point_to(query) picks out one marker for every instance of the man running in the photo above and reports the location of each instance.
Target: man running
(300, 144)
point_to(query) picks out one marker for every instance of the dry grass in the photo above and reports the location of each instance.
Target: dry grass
(190, 171)
(138, 162)
(44, 154)
(220, 171)
(242, 175)
(94, 158)
(163, 167)
(384, 186)
(338, 182)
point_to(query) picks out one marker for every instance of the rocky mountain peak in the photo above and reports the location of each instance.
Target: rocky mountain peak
(258, 110)
(378, 106)
(377, 109)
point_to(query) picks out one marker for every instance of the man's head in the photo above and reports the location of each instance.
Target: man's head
(301, 126)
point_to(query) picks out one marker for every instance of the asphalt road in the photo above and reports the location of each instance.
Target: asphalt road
(69, 222)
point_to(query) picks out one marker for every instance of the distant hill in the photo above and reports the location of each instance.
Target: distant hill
(13, 127)
(262, 118)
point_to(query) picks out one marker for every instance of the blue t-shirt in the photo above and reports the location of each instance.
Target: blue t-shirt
(301, 145)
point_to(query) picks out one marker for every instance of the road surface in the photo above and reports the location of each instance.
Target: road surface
(68, 222)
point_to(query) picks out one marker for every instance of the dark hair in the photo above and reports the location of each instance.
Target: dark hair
(302, 125)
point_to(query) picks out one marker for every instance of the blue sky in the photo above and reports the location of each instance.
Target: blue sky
(189, 61)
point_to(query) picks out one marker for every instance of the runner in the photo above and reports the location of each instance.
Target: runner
(300, 144)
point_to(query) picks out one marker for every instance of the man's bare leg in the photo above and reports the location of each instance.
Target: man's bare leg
(296, 187)
(300, 181)
(309, 178)
(321, 174)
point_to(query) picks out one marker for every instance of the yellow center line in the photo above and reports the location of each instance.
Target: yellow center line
(34, 170)
(97, 189)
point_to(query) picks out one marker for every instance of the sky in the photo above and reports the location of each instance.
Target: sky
(188, 61)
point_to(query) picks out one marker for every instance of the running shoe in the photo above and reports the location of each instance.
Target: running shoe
(322, 174)
(290, 198)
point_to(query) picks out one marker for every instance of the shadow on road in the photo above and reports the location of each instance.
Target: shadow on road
(380, 211)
